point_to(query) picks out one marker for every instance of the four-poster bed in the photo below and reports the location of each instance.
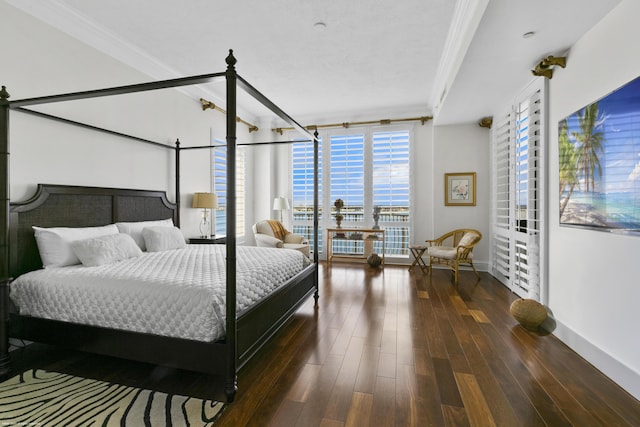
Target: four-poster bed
(76, 206)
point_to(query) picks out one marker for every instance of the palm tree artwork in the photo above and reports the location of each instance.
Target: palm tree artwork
(590, 141)
(579, 153)
(568, 167)
(599, 162)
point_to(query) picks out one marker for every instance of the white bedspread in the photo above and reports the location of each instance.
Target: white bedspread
(177, 293)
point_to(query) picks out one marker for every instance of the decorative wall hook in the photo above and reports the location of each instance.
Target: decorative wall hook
(486, 122)
(543, 68)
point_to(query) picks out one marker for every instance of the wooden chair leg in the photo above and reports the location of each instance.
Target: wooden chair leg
(454, 267)
(474, 269)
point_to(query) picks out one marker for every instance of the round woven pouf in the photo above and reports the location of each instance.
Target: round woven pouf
(374, 260)
(529, 313)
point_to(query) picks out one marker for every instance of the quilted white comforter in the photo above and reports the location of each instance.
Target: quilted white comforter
(177, 293)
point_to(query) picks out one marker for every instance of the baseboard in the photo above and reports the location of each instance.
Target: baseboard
(620, 373)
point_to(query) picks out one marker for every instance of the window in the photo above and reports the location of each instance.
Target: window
(346, 177)
(391, 183)
(368, 168)
(303, 190)
(219, 186)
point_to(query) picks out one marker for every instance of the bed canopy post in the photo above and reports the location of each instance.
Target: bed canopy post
(315, 210)
(231, 330)
(4, 232)
(177, 159)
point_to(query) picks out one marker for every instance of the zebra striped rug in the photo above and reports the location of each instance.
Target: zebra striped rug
(44, 398)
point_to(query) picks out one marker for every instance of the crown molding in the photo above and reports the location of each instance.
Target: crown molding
(466, 18)
(61, 16)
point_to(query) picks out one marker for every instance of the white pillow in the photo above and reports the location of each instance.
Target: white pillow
(54, 244)
(134, 229)
(159, 238)
(105, 249)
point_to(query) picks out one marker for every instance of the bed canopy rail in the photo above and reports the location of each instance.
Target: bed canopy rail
(90, 127)
(233, 81)
(120, 90)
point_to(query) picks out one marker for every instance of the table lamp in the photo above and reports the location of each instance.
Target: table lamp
(280, 204)
(205, 201)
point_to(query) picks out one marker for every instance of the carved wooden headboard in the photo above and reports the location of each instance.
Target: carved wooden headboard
(73, 206)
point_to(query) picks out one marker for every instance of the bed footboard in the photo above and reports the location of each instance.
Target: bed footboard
(263, 320)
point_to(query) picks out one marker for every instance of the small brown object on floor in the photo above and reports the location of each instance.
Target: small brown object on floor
(529, 313)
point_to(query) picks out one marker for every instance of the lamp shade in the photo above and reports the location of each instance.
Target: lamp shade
(280, 203)
(205, 201)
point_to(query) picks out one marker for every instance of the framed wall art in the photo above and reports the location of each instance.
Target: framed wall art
(460, 189)
(599, 159)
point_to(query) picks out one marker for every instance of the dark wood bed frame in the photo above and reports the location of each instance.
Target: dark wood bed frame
(76, 206)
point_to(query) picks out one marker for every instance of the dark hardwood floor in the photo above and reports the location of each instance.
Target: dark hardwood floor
(393, 348)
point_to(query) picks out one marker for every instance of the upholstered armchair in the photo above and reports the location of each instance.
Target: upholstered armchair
(453, 249)
(272, 234)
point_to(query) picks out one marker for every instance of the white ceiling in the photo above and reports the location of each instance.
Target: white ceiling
(374, 58)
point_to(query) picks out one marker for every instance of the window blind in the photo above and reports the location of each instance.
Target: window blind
(303, 189)
(346, 176)
(501, 159)
(527, 160)
(220, 187)
(518, 194)
(391, 185)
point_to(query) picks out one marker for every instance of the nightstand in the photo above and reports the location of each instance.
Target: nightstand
(216, 240)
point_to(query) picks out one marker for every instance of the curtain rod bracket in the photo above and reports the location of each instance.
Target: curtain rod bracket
(206, 105)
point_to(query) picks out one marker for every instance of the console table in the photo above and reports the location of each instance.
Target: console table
(367, 236)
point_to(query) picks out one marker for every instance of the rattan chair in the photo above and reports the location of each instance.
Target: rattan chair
(453, 249)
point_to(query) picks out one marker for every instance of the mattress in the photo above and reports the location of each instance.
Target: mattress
(176, 293)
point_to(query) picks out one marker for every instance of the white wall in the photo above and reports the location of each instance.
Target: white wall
(593, 276)
(462, 148)
(40, 60)
(422, 183)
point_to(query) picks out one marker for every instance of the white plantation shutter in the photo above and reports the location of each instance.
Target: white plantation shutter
(346, 176)
(346, 182)
(303, 190)
(501, 189)
(518, 194)
(528, 159)
(391, 177)
(219, 165)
